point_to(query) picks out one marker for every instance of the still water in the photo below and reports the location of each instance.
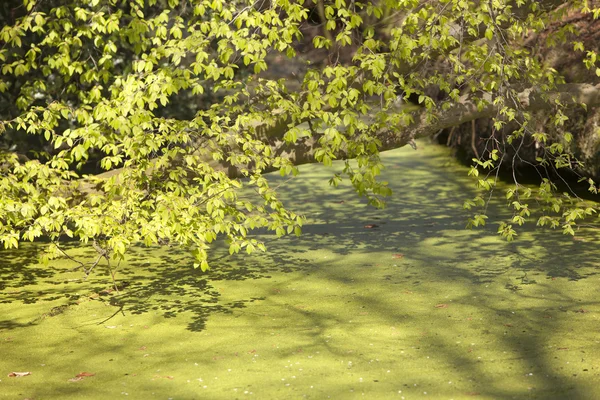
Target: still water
(400, 303)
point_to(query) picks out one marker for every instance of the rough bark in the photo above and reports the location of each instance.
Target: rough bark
(460, 113)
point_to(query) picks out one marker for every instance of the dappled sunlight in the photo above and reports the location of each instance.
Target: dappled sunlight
(392, 303)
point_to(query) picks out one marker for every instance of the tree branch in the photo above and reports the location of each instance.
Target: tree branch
(461, 112)
(458, 114)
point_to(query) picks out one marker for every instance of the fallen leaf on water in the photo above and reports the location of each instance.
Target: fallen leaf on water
(398, 255)
(18, 374)
(80, 376)
(165, 377)
(441, 306)
(371, 226)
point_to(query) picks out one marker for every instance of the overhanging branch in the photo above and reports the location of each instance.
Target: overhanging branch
(459, 113)
(303, 152)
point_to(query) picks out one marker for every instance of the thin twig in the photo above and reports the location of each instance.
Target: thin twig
(473, 147)
(115, 313)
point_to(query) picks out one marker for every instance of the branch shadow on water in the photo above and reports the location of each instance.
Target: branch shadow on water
(420, 244)
(170, 286)
(153, 280)
(13, 275)
(422, 233)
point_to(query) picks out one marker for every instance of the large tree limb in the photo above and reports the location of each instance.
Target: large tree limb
(303, 152)
(467, 111)
(458, 114)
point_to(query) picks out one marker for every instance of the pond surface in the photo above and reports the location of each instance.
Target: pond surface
(396, 303)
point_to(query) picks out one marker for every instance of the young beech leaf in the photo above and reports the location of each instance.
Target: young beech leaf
(175, 114)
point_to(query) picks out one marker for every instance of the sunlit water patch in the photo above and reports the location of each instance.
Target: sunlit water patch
(394, 303)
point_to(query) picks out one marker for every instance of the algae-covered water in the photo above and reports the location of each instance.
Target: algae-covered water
(401, 303)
